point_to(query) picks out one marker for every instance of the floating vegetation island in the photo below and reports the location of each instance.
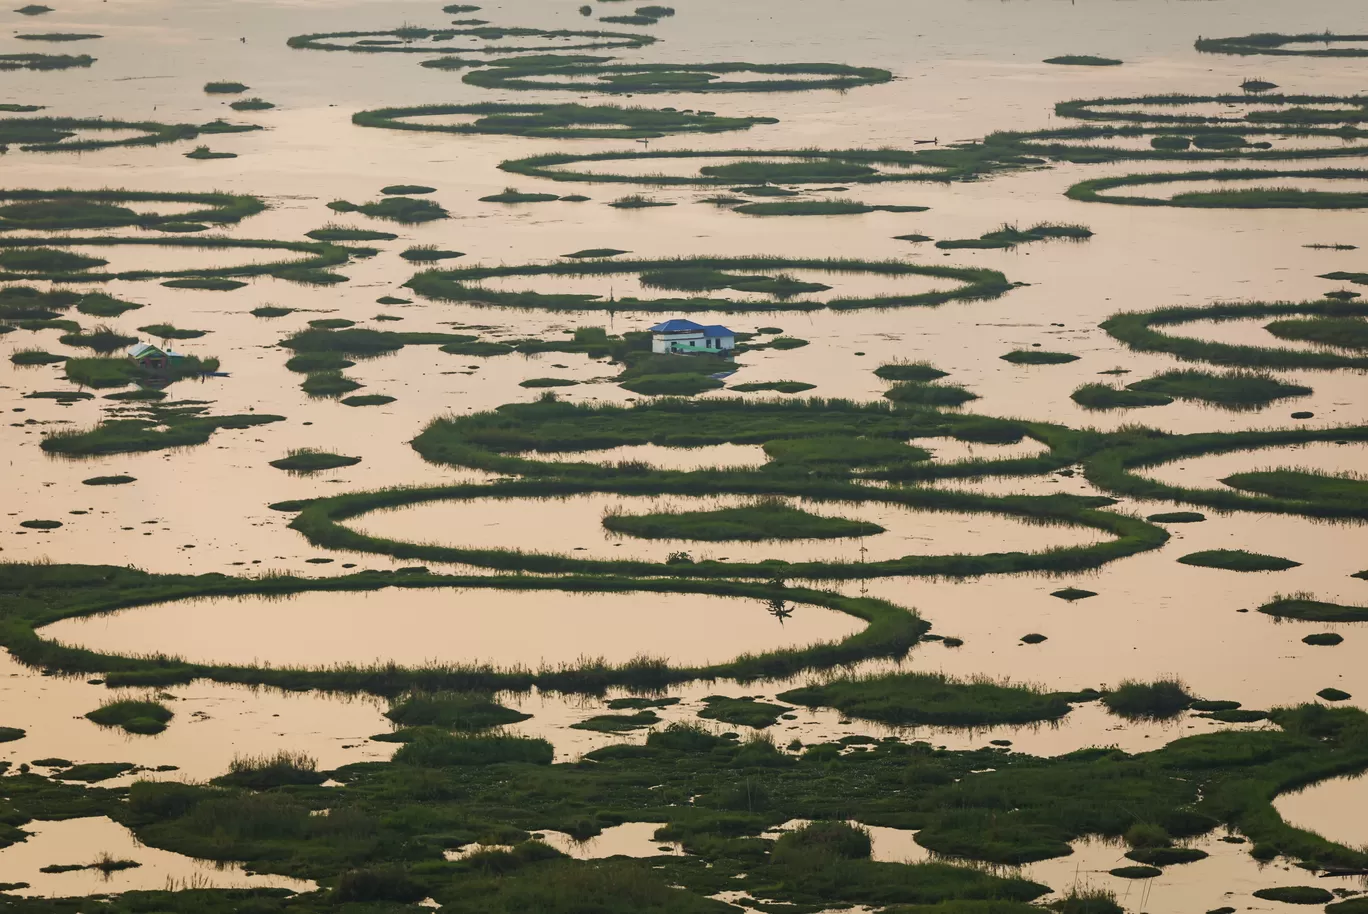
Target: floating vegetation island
(637, 78)
(565, 121)
(418, 40)
(53, 134)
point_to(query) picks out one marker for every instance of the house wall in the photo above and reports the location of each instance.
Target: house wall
(691, 342)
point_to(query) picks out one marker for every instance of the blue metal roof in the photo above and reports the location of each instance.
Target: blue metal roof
(684, 325)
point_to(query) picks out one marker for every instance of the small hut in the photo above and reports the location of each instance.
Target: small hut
(683, 336)
(153, 358)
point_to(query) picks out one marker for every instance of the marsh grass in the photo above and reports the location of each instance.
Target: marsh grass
(638, 201)
(171, 332)
(513, 195)
(1235, 390)
(837, 207)
(1159, 700)
(35, 357)
(920, 393)
(406, 210)
(1008, 236)
(903, 370)
(251, 104)
(425, 253)
(462, 711)
(1103, 396)
(1297, 484)
(336, 232)
(1266, 197)
(310, 460)
(132, 715)
(127, 436)
(783, 387)
(1305, 607)
(934, 699)
(1083, 60)
(618, 723)
(224, 88)
(268, 771)
(746, 712)
(1339, 332)
(1038, 357)
(368, 400)
(1237, 560)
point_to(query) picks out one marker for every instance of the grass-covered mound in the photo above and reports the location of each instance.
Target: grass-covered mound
(102, 373)
(669, 77)
(1158, 700)
(513, 195)
(1235, 390)
(746, 712)
(224, 88)
(783, 387)
(764, 519)
(462, 711)
(162, 429)
(311, 460)
(1296, 894)
(41, 210)
(1275, 43)
(1339, 332)
(751, 274)
(54, 134)
(912, 699)
(571, 121)
(1009, 236)
(1104, 396)
(44, 61)
(1038, 357)
(1302, 485)
(406, 210)
(909, 371)
(334, 232)
(132, 715)
(838, 207)
(920, 393)
(1304, 607)
(1269, 196)
(1237, 560)
(1083, 60)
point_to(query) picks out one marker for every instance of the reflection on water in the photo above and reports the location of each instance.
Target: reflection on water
(527, 628)
(80, 841)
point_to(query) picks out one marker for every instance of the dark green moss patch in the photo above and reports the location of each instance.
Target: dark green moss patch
(10, 734)
(822, 208)
(224, 88)
(917, 393)
(108, 480)
(1296, 894)
(1166, 856)
(1038, 357)
(1324, 639)
(1304, 608)
(1136, 872)
(211, 285)
(746, 712)
(1104, 396)
(1070, 594)
(1237, 560)
(404, 190)
(765, 519)
(618, 723)
(308, 460)
(596, 253)
(40, 524)
(548, 382)
(426, 253)
(367, 400)
(909, 371)
(783, 387)
(1333, 694)
(93, 772)
(1083, 60)
(406, 210)
(271, 311)
(1236, 390)
(1176, 517)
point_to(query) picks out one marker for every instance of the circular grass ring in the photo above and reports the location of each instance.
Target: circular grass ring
(892, 631)
(1274, 43)
(39, 210)
(320, 523)
(454, 285)
(1088, 191)
(44, 61)
(562, 121)
(1113, 470)
(1094, 109)
(810, 166)
(1056, 143)
(1137, 330)
(403, 37)
(311, 269)
(668, 77)
(50, 134)
(814, 435)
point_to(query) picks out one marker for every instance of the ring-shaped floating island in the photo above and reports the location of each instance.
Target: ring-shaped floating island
(53, 134)
(42, 210)
(1289, 492)
(1293, 320)
(1272, 109)
(1239, 198)
(891, 631)
(675, 77)
(48, 260)
(558, 121)
(1275, 43)
(823, 447)
(404, 40)
(746, 274)
(783, 166)
(1180, 143)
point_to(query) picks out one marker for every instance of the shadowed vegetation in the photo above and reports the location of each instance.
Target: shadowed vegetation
(1236, 390)
(463, 711)
(1038, 357)
(668, 77)
(764, 519)
(1304, 607)
(165, 430)
(134, 716)
(1158, 700)
(1275, 43)
(1237, 560)
(912, 699)
(1009, 236)
(1268, 197)
(566, 121)
(407, 210)
(746, 712)
(839, 207)
(1083, 60)
(309, 460)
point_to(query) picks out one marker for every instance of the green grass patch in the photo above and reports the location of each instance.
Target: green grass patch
(171, 332)
(1275, 43)
(406, 210)
(548, 382)
(467, 712)
(1333, 694)
(1301, 485)
(224, 88)
(1235, 390)
(1104, 396)
(1296, 894)
(1083, 60)
(572, 121)
(618, 723)
(1038, 357)
(284, 769)
(668, 77)
(132, 715)
(1305, 608)
(1176, 517)
(118, 480)
(513, 195)
(922, 372)
(251, 104)
(368, 400)
(932, 699)
(10, 734)
(838, 207)
(783, 387)
(404, 190)
(1237, 560)
(746, 712)
(1323, 639)
(334, 232)
(426, 253)
(35, 357)
(1340, 332)
(764, 520)
(919, 393)
(1158, 700)
(310, 460)
(128, 436)
(1268, 197)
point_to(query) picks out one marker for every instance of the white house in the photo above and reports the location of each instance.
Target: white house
(684, 337)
